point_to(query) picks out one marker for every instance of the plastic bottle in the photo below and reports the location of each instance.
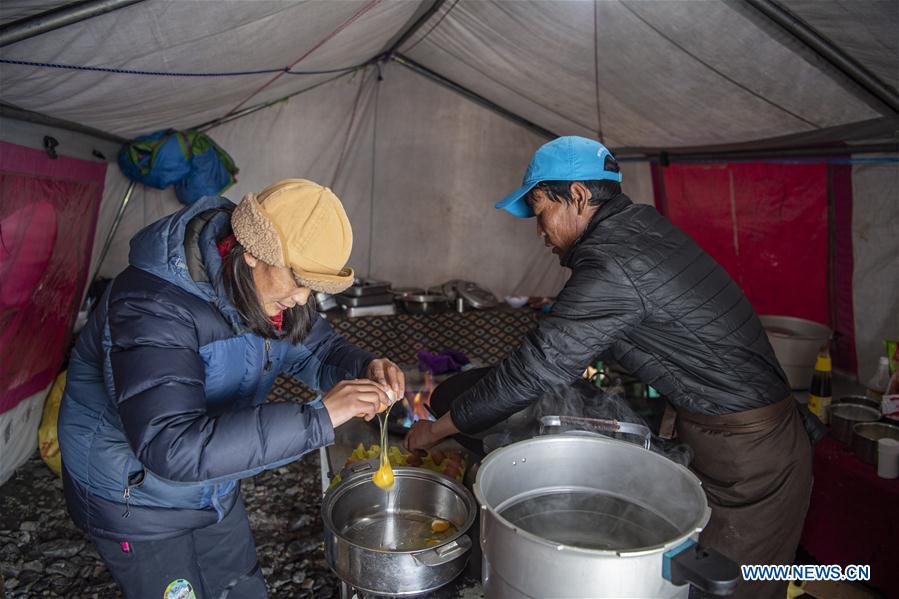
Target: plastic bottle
(820, 393)
(878, 384)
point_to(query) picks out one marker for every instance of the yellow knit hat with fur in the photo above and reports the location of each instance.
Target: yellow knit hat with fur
(302, 225)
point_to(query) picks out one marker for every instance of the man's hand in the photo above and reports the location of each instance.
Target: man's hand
(388, 374)
(421, 436)
(424, 434)
(354, 398)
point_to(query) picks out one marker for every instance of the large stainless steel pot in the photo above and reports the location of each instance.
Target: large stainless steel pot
(427, 303)
(641, 544)
(362, 522)
(865, 438)
(843, 416)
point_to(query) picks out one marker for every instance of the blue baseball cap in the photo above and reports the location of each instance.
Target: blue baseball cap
(568, 158)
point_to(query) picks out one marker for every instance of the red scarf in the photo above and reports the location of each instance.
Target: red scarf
(224, 246)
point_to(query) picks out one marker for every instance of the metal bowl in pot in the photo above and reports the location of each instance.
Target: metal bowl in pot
(377, 541)
(796, 343)
(865, 436)
(843, 416)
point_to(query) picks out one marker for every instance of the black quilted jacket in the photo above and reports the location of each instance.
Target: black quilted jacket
(641, 292)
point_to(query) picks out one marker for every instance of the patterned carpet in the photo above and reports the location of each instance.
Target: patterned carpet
(484, 336)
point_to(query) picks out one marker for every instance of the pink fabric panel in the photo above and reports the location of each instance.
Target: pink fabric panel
(48, 214)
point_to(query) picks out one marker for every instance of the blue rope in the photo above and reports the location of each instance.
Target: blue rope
(51, 65)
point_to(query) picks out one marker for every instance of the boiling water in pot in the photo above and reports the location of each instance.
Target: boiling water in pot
(588, 519)
(401, 530)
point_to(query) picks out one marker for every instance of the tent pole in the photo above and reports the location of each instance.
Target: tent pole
(774, 153)
(115, 225)
(404, 37)
(426, 72)
(58, 17)
(841, 61)
(10, 111)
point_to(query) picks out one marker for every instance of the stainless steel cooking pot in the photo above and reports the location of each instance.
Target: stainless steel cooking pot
(371, 538)
(857, 400)
(576, 516)
(866, 435)
(427, 303)
(843, 416)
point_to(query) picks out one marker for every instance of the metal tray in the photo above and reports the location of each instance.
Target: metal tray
(352, 312)
(351, 301)
(362, 287)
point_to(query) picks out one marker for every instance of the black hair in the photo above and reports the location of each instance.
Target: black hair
(241, 288)
(600, 191)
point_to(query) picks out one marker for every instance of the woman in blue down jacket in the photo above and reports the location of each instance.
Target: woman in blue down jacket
(165, 406)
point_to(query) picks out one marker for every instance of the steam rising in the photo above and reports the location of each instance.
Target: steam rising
(581, 400)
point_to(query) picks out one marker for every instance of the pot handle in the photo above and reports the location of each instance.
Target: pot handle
(596, 426)
(445, 553)
(364, 466)
(702, 567)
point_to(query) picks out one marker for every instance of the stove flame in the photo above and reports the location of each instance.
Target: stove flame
(416, 407)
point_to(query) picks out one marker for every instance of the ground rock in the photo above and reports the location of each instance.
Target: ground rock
(61, 548)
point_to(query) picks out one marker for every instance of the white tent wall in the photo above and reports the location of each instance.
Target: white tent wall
(322, 135)
(875, 248)
(636, 182)
(442, 161)
(145, 206)
(18, 433)
(300, 137)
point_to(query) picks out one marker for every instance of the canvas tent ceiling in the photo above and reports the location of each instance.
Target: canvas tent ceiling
(867, 33)
(15, 10)
(194, 37)
(657, 73)
(652, 73)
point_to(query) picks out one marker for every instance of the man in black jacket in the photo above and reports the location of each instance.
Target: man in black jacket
(644, 293)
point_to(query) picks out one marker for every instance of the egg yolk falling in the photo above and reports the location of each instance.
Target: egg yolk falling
(383, 477)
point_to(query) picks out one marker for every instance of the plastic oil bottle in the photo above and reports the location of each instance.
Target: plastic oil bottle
(820, 393)
(877, 386)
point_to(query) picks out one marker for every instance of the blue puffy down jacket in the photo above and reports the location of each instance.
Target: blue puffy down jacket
(165, 403)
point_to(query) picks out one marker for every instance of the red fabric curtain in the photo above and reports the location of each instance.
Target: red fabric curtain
(48, 214)
(765, 223)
